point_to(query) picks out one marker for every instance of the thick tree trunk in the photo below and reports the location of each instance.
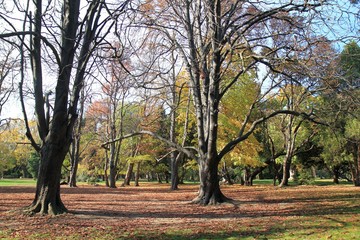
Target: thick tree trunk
(128, 175)
(174, 176)
(47, 198)
(175, 171)
(112, 176)
(286, 172)
(209, 192)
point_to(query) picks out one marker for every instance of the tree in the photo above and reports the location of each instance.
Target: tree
(15, 151)
(215, 37)
(341, 105)
(296, 132)
(116, 90)
(244, 155)
(8, 74)
(70, 36)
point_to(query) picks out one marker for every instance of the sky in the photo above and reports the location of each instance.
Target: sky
(336, 24)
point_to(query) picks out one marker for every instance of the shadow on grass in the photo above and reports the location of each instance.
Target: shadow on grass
(276, 230)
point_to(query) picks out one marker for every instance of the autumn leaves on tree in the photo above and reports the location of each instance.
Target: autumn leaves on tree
(178, 80)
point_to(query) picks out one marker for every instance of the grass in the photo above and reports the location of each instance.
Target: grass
(11, 182)
(31, 182)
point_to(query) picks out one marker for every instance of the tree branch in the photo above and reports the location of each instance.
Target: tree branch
(189, 151)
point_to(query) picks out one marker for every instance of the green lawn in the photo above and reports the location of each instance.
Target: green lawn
(30, 182)
(17, 182)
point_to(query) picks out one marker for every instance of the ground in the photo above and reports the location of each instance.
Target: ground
(152, 211)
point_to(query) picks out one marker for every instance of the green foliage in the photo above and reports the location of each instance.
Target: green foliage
(352, 129)
(161, 168)
(140, 158)
(350, 62)
(33, 164)
(305, 177)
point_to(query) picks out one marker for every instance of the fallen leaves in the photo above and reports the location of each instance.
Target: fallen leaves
(153, 211)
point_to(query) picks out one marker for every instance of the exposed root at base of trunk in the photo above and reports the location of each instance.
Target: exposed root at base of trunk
(213, 200)
(48, 209)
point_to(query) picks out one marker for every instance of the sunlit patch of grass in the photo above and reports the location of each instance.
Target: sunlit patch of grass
(17, 182)
(5, 234)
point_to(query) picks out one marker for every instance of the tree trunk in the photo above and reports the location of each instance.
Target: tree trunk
(112, 165)
(106, 169)
(356, 157)
(255, 173)
(129, 173)
(174, 176)
(227, 175)
(74, 161)
(209, 193)
(112, 177)
(158, 176)
(73, 173)
(175, 171)
(286, 172)
(47, 198)
(137, 174)
(336, 174)
(247, 177)
(75, 145)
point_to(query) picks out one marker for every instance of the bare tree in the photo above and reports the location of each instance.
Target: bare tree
(67, 32)
(8, 74)
(219, 42)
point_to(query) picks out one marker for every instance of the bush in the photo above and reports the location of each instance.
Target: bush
(305, 177)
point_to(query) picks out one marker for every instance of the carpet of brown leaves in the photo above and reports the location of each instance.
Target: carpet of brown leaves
(152, 211)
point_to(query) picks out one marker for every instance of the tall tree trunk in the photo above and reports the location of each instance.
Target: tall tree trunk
(106, 166)
(74, 156)
(112, 165)
(128, 175)
(137, 174)
(175, 171)
(226, 174)
(286, 172)
(75, 145)
(112, 176)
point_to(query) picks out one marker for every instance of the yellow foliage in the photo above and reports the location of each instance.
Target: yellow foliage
(233, 109)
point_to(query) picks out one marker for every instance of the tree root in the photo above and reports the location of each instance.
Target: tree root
(49, 209)
(213, 200)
